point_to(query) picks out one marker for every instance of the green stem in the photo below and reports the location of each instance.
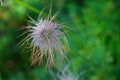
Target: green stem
(27, 6)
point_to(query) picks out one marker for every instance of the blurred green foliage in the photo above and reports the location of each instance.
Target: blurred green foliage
(94, 39)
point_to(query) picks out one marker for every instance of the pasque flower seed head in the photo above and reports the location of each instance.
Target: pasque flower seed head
(64, 74)
(46, 39)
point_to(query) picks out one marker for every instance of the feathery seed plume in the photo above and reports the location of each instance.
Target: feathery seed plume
(46, 39)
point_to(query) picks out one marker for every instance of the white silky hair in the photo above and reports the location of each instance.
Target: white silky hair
(64, 74)
(49, 38)
(46, 39)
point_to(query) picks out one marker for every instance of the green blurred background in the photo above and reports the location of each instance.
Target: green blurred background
(94, 40)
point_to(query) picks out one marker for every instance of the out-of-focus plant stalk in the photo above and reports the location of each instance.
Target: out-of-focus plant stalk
(29, 7)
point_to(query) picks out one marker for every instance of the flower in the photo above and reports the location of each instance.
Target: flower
(46, 39)
(67, 76)
(64, 74)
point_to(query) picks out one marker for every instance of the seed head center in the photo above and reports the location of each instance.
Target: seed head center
(46, 33)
